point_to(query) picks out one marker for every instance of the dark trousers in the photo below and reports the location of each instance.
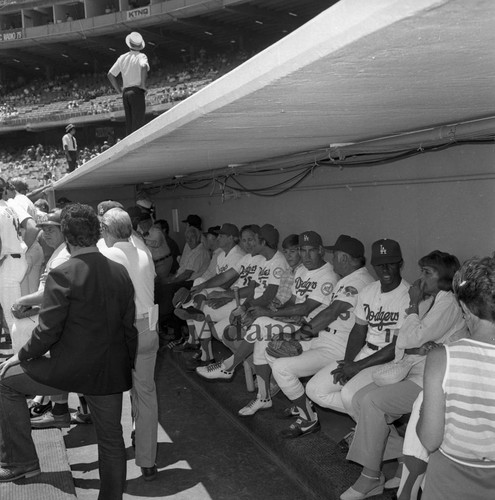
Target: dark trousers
(72, 161)
(164, 293)
(134, 107)
(16, 444)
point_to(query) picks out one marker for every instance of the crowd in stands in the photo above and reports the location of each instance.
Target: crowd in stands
(372, 347)
(42, 165)
(89, 94)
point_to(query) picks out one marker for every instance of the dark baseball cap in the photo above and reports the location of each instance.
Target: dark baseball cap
(310, 239)
(50, 219)
(105, 206)
(348, 245)
(270, 235)
(194, 220)
(385, 252)
(213, 230)
(229, 230)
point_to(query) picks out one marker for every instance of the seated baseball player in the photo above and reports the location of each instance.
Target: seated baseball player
(380, 312)
(230, 253)
(329, 331)
(262, 288)
(311, 292)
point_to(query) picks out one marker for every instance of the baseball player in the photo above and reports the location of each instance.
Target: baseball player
(329, 331)
(380, 312)
(13, 263)
(311, 293)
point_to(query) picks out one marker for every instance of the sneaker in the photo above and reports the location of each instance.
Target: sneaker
(214, 372)
(301, 427)
(37, 409)
(49, 420)
(78, 417)
(190, 313)
(289, 412)
(195, 362)
(253, 406)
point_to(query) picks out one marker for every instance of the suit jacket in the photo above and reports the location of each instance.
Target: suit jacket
(86, 323)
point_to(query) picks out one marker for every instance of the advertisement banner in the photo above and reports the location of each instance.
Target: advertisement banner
(137, 13)
(8, 36)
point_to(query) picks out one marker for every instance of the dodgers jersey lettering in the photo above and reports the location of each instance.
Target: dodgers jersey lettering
(269, 273)
(228, 261)
(384, 312)
(246, 268)
(316, 284)
(347, 290)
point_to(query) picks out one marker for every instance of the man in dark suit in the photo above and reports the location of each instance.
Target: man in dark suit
(86, 323)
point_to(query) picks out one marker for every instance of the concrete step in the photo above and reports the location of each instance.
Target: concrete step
(55, 481)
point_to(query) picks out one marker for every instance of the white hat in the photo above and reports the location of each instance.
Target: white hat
(134, 41)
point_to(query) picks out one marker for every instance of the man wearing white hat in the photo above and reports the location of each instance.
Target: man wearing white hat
(134, 67)
(69, 144)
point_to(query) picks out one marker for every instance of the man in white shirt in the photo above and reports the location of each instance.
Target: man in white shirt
(69, 145)
(116, 231)
(134, 67)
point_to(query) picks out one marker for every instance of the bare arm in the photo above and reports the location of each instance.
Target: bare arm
(115, 83)
(31, 231)
(431, 422)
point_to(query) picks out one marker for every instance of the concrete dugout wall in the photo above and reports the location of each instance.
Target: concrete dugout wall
(443, 200)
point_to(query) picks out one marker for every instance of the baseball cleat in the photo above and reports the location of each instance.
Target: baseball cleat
(214, 372)
(253, 406)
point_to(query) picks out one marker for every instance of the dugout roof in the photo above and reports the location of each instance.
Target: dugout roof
(358, 71)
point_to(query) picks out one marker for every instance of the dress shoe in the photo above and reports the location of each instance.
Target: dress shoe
(149, 473)
(49, 420)
(13, 473)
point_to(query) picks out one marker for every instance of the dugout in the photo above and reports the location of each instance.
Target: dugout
(374, 119)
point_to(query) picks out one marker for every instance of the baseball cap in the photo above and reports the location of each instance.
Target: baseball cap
(137, 213)
(50, 219)
(385, 252)
(69, 127)
(105, 206)
(229, 230)
(310, 239)
(348, 245)
(214, 230)
(270, 235)
(193, 220)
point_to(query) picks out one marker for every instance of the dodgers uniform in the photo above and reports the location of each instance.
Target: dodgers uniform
(384, 313)
(13, 264)
(330, 344)
(315, 284)
(268, 272)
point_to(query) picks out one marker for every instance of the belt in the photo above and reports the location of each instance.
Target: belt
(133, 88)
(373, 347)
(162, 258)
(142, 316)
(15, 255)
(413, 350)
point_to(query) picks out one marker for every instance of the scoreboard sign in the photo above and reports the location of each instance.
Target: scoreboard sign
(8, 36)
(137, 13)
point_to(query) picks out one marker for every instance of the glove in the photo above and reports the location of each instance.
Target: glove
(284, 348)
